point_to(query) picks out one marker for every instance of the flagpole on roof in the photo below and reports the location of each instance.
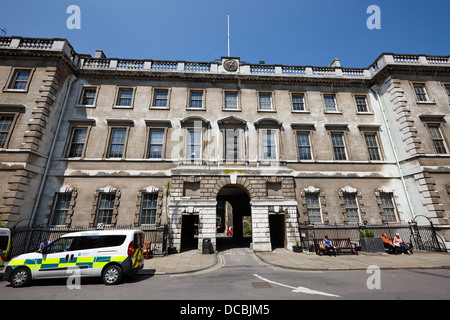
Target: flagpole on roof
(228, 34)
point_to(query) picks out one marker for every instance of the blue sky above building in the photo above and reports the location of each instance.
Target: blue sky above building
(302, 32)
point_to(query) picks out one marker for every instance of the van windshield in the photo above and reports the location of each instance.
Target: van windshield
(3, 242)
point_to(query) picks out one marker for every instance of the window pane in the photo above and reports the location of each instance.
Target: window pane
(388, 207)
(117, 143)
(161, 98)
(372, 146)
(232, 144)
(420, 92)
(265, 101)
(313, 207)
(5, 126)
(60, 245)
(125, 97)
(269, 148)
(61, 208)
(20, 80)
(196, 100)
(304, 148)
(338, 146)
(438, 140)
(88, 96)
(231, 100)
(77, 145)
(148, 208)
(361, 104)
(351, 207)
(298, 102)
(194, 144)
(105, 208)
(156, 144)
(330, 103)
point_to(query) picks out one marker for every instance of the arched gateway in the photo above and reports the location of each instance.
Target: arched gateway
(266, 205)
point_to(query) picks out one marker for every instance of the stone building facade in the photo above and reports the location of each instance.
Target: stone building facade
(95, 140)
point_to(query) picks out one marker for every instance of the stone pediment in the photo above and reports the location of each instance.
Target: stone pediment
(231, 121)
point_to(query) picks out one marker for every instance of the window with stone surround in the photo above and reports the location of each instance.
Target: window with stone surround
(194, 144)
(304, 146)
(298, 102)
(19, 80)
(269, 144)
(118, 137)
(6, 125)
(361, 104)
(420, 91)
(437, 138)
(314, 205)
(156, 143)
(148, 208)
(106, 206)
(351, 207)
(388, 205)
(232, 142)
(371, 140)
(125, 97)
(160, 98)
(265, 102)
(88, 96)
(196, 99)
(61, 208)
(231, 100)
(330, 103)
(337, 140)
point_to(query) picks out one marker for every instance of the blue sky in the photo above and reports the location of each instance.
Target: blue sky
(302, 32)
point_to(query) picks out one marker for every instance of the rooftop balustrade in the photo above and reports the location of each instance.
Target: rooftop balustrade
(86, 62)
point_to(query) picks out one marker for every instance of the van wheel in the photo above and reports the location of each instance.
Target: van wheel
(20, 278)
(112, 275)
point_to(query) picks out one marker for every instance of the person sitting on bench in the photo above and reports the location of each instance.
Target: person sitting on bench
(329, 246)
(399, 243)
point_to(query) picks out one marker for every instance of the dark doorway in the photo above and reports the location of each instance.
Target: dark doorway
(189, 232)
(233, 209)
(277, 230)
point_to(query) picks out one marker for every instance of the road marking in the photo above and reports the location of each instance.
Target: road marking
(298, 289)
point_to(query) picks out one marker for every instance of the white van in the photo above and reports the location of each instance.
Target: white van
(109, 254)
(5, 238)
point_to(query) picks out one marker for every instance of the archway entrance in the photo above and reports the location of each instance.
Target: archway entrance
(233, 211)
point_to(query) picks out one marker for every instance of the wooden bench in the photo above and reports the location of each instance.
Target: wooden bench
(339, 244)
(391, 250)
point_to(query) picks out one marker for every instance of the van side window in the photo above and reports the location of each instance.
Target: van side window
(111, 241)
(60, 245)
(84, 243)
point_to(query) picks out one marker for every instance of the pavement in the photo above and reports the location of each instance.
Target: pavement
(194, 261)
